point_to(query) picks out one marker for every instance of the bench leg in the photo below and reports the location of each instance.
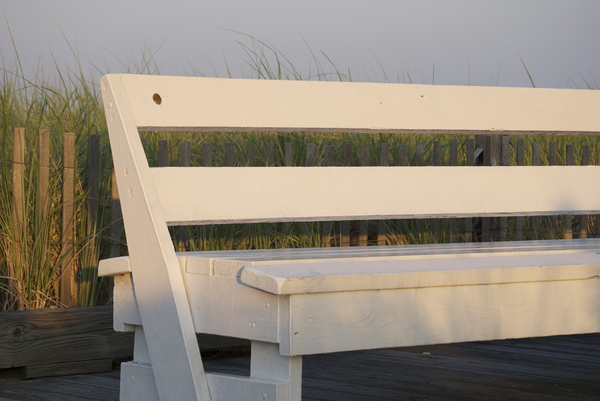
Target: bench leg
(273, 377)
(137, 377)
(267, 363)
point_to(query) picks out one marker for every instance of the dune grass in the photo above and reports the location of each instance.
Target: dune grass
(68, 100)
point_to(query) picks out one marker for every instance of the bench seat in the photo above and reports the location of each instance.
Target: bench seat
(319, 300)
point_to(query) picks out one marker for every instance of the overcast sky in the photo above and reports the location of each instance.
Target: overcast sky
(477, 42)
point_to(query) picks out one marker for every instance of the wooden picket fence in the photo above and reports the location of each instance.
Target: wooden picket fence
(88, 171)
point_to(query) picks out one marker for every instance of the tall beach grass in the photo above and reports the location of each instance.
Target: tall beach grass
(68, 100)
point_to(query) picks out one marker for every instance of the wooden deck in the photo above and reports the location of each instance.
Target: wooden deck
(553, 368)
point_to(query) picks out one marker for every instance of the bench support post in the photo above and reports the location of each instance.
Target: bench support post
(267, 363)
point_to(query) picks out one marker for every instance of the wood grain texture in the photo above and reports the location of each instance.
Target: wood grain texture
(562, 368)
(42, 340)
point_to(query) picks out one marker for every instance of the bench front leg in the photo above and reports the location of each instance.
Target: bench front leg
(267, 363)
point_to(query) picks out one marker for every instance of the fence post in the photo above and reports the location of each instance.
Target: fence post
(363, 225)
(93, 182)
(488, 160)
(437, 161)
(68, 276)
(327, 226)
(535, 161)
(288, 154)
(570, 161)
(207, 154)
(453, 161)
(229, 154)
(381, 224)
(186, 159)
(44, 183)
(520, 162)
(18, 167)
(116, 218)
(597, 225)
(309, 161)
(584, 219)
(17, 210)
(505, 155)
(345, 225)
(468, 234)
(270, 154)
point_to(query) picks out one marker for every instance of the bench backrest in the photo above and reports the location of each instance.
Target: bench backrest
(203, 195)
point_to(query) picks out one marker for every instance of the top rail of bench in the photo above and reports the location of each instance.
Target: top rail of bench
(217, 104)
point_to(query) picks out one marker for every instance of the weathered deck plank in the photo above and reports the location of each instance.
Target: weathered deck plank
(553, 368)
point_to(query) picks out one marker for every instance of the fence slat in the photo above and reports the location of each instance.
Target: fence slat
(468, 233)
(363, 225)
(207, 154)
(505, 161)
(381, 224)
(93, 182)
(345, 225)
(488, 160)
(15, 260)
(289, 155)
(229, 154)
(420, 154)
(553, 161)
(535, 161)
(327, 226)
(570, 161)
(453, 161)
(402, 155)
(250, 154)
(163, 153)
(309, 161)
(584, 220)
(597, 217)
(18, 168)
(520, 162)
(185, 161)
(116, 218)
(68, 276)
(44, 181)
(270, 153)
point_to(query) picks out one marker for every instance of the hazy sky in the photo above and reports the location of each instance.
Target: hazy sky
(477, 42)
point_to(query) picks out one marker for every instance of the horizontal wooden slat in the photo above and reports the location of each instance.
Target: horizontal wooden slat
(341, 321)
(258, 105)
(432, 271)
(227, 263)
(235, 194)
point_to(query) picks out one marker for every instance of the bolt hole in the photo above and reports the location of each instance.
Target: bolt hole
(157, 99)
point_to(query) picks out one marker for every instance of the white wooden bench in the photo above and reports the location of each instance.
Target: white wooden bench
(297, 302)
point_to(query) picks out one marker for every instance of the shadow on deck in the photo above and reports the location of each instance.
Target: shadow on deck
(552, 368)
